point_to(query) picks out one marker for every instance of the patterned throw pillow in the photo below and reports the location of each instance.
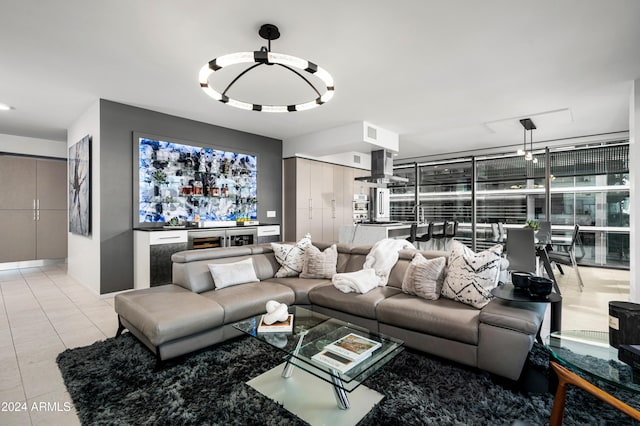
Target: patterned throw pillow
(319, 264)
(471, 276)
(424, 277)
(291, 257)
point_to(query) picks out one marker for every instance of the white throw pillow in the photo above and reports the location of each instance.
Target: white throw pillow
(471, 276)
(228, 274)
(291, 257)
(424, 277)
(319, 264)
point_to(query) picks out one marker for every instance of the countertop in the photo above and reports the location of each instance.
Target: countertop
(196, 228)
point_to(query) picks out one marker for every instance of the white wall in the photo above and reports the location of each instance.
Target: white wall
(84, 252)
(32, 146)
(634, 190)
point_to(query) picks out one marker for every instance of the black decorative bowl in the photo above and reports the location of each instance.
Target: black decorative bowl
(520, 280)
(540, 286)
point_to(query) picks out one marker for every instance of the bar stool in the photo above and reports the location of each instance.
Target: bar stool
(425, 238)
(440, 236)
(450, 230)
(412, 233)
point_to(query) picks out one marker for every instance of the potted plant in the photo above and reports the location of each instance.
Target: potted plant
(533, 224)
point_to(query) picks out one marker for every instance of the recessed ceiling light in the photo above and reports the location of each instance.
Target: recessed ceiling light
(5, 107)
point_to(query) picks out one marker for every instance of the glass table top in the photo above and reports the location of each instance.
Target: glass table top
(590, 353)
(312, 332)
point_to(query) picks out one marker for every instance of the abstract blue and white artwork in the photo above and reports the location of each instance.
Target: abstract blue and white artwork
(191, 183)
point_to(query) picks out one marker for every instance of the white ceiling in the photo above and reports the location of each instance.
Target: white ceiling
(434, 72)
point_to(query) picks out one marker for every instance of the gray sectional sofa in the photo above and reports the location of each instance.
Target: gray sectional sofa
(190, 314)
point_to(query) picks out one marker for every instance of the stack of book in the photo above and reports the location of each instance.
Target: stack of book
(285, 326)
(346, 352)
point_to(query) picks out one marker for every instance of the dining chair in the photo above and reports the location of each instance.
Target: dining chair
(521, 250)
(567, 256)
(544, 233)
(566, 377)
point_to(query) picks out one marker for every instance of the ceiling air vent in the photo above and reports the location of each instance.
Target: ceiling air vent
(372, 133)
(356, 159)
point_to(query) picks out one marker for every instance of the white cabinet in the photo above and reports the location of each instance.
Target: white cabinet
(318, 198)
(152, 252)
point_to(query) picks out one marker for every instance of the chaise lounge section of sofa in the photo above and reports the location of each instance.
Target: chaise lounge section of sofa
(191, 314)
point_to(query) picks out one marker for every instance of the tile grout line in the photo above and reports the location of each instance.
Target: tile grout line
(15, 352)
(75, 305)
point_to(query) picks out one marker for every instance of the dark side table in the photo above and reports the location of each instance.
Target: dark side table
(508, 292)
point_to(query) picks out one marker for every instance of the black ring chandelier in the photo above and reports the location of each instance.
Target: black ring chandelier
(265, 56)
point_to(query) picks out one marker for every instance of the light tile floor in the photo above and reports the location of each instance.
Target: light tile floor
(43, 311)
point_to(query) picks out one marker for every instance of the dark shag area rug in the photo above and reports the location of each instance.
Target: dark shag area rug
(116, 382)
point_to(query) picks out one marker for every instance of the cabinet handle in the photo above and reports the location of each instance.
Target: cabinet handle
(310, 203)
(34, 214)
(310, 213)
(169, 238)
(38, 214)
(34, 204)
(38, 204)
(333, 209)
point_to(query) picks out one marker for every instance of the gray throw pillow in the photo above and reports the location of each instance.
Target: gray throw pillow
(424, 277)
(471, 276)
(319, 264)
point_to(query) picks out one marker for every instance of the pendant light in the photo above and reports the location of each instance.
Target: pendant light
(265, 56)
(527, 124)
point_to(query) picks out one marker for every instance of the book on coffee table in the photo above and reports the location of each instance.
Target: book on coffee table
(346, 352)
(337, 362)
(277, 327)
(353, 347)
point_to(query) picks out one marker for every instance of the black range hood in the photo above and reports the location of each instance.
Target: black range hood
(382, 168)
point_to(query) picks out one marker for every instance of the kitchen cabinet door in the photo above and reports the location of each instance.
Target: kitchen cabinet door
(51, 179)
(17, 235)
(300, 187)
(51, 234)
(18, 177)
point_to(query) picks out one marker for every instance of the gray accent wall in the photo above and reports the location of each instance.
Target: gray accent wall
(118, 122)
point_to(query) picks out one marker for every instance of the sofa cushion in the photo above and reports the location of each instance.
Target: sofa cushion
(319, 264)
(356, 259)
(424, 277)
(168, 312)
(291, 256)
(518, 316)
(233, 273)
(363, 305)
(471, 276)
(301, 286)
(246, 300)
(443, 318)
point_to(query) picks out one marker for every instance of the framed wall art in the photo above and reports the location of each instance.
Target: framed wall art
(79, 163)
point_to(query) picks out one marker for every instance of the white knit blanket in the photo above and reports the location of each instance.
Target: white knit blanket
(383, 257)
(360, 281)
(376, 269)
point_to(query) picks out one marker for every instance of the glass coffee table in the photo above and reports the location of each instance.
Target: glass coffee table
(590, 353)
(301, 392)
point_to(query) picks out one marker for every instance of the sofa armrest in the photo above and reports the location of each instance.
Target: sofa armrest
(524, 317)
